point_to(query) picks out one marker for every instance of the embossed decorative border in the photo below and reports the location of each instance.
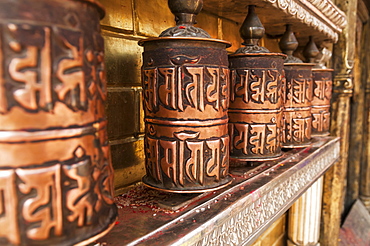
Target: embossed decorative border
(322, 15)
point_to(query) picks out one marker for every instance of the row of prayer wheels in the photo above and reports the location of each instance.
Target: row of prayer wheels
(56, 180)
(205, 110)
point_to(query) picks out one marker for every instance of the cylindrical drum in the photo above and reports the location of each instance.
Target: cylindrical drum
(297, 119)
(256, 106)
(186, 95)
(322, 89)
(56, 183)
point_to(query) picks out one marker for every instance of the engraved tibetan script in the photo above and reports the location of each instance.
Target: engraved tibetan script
(46, 207)
(301, 90)
(322, 88)
(23, 68)
(256, 85)
(176, 88)
(254, 139)
(8, 204)
(80, 199)
(321, 120)
(301, 129)
(187, 158)
(45, 65)
(50, 198)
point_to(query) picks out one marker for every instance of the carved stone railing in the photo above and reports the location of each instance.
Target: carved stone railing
(320, 18)
(235, 215)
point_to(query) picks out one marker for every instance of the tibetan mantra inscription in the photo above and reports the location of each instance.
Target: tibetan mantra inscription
(186, 95)
(56, 180)
(255, 106)
(297, 119)
(322, 90)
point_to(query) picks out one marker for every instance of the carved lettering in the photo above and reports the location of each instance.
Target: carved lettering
(213, 164)
(98, 82)
(35, 92)
(301, 129)
(150, 91)
(169, 161)
(272, 91)
(323, 88)
(258, 138)
(45, 66)
(181, 86)
(169, 93)
(321, 121)
(225, 155)
(225, 88)
(8, 204)
(240, 89)
(319, 90)
(328, 88)
(194, 89)
(258, 84)
(299, 95)
(70, 73)
(80, 199)
(255, 139)
(152, 158)
(213, 89)
(241, 140)
(187, 158)
(272, 141)
(44, 209)
(194, 166)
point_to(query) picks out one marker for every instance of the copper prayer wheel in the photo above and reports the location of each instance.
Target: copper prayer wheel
(255, 97)
(322, 91)
(298, 92)
(185, 79)
(297, 119)
(322, 88)
(255, 106)
(56, 180)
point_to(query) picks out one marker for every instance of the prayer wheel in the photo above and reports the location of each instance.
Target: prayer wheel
(322, 88)
(298, 90)
(185, 79)
(256, 97)
(56, 180)
(322, 91)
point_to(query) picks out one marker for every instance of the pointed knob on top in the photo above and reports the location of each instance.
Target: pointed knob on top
(311, 51)
(288, 44)
(252, 29)
(251, 32)
(185, 12)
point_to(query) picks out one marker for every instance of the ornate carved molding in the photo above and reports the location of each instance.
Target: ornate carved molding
(254, 214)
(343, 84)
(331, 11)
(323, 16)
